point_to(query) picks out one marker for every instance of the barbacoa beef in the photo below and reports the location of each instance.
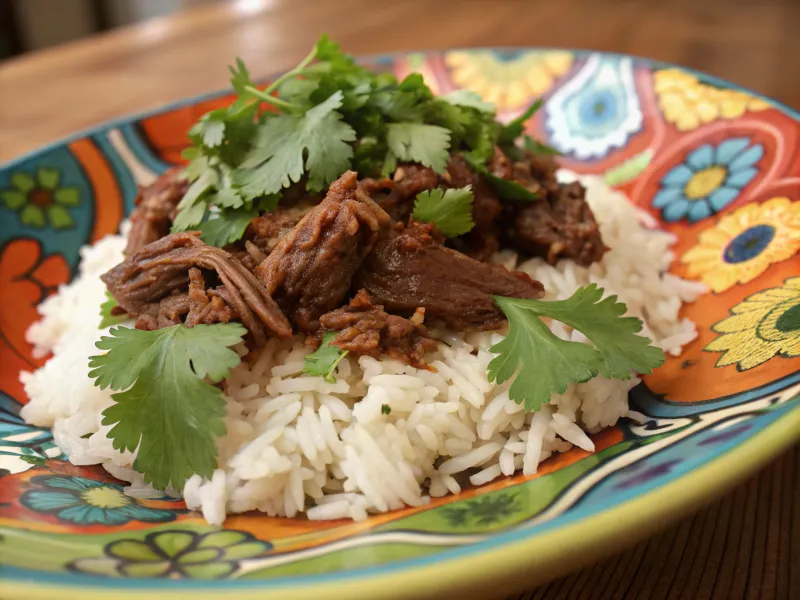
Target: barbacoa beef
(410, 268)
(155, 210)
(563, 226)
(397, 195)
(161, 270)
(310, 271)
(364, 328)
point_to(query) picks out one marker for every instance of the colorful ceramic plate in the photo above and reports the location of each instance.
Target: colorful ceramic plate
(718, 166)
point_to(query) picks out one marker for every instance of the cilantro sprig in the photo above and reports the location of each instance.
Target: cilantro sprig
(167, 410)
(450, 210)
(545, 364)
(324, 360)
(107, 319)
(320, 119)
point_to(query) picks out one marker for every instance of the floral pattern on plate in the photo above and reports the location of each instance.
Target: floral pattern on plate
(710, 178)
(745, 243)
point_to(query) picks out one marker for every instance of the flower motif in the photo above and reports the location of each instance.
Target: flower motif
(597, 110)
(26, 278)
(510, 79)
(687, 103)
(175, 554)
(763, 325)
(708, 181)
(485, 510)
(39, 199)
(744, 244)
(88, 502)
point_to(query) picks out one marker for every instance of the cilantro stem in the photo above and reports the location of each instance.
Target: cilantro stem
(266, 95)
(269, 99)
(293, 73)
(329, 375)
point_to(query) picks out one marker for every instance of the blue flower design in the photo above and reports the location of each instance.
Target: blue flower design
(708, 180)
(89, 502)
(597, 110)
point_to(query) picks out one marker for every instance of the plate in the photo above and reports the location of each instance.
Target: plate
(717, 166)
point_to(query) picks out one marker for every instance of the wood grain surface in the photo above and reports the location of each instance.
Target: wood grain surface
(48, 95)
(745, 546)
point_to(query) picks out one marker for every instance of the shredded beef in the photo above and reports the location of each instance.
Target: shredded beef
(563, 227)
(409, 268)
(161, 269)
(365, 328)
(155, 210)
(310, 270)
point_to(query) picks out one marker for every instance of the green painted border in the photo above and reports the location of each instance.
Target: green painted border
(517, 565)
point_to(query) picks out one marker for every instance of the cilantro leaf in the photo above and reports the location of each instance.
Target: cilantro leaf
(210, 128)
(167, 411)
(106, 318)
(506, 189)
(277, 159)
(417, 142)
(545, 364)
(227, 227)
(450, 210)
(600, 319)
(515, 127)
(538, 147)
(323, 361)
(469, 99)
(386, 409)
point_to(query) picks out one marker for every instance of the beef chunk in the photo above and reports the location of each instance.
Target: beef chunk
(480, 243)
(164, 313)
(409, 268)
(310, 270)
(265, 231)
(366, 329)
(563, 227)
(161, 270)
(396, 195)
(155, 210)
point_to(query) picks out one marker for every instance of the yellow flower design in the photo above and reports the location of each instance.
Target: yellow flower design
(745, 243)
(508, 79)
(763, 325)
(687, 103)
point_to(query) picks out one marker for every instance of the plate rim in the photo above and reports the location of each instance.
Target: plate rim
(499, 567)
(500, 562)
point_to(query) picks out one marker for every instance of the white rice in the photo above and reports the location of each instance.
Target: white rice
(296, 444)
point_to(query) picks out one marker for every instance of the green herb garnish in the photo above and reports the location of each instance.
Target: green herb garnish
(167, 410)
(322, 118)
(386, 409)
(106, 318)
(323, 361)
(546, 364)
(450, 210)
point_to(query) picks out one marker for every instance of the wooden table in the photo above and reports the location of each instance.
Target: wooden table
(744, 546)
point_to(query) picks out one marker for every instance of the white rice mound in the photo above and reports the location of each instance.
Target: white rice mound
(296, 444)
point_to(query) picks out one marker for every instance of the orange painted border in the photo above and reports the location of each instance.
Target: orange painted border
(109, 207)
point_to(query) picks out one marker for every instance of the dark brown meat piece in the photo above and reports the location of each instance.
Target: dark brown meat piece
(265, 231)
(310, 270)
(563, 227)
(155, 210)
(409, 268)
(164, 313)
(480, 243)
(161, 269)
(397, 195)
(366, 329)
